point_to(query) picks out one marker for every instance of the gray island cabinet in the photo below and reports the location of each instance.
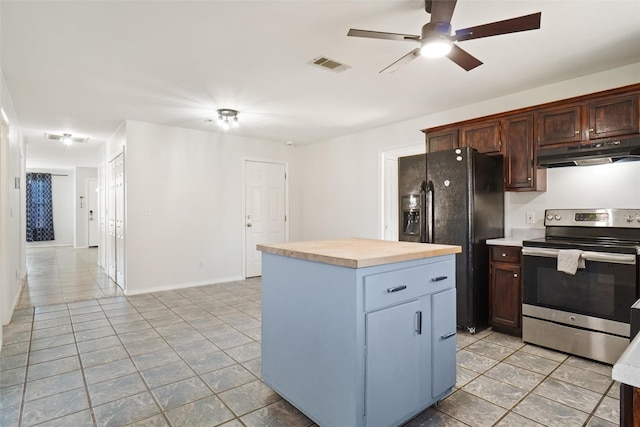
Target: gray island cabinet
(359, 332)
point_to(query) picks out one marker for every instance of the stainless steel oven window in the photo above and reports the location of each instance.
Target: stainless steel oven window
(602, 289)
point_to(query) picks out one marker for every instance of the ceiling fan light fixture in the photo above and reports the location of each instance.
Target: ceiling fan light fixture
(436, 47)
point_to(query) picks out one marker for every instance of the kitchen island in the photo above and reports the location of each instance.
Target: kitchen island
(359, 332)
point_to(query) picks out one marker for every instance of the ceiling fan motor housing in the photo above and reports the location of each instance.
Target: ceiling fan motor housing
(439, 29)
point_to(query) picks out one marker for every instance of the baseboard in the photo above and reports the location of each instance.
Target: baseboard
(175, 286)
(15, 301)
(54, 245)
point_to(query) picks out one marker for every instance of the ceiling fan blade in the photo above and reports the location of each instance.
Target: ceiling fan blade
(463, 58)
(380, 35)
(400, 62)
(442, 10)
(514, 25)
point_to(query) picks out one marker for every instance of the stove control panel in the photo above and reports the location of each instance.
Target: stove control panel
(621, 218)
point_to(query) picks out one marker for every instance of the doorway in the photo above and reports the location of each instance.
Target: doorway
(265, 212)
(93, 231)
(389, 227)
(115, 219)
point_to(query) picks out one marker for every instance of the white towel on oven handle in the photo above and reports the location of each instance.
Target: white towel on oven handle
(570, 260)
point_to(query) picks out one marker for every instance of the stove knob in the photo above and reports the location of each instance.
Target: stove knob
(629, 218)
(549, 217)
(638, 218)
(558, 217)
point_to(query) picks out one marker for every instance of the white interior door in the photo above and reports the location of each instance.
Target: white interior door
(120, 217)
(265, 210)
(102, 218)
(111, 220)
(93, 232)
(115, 221)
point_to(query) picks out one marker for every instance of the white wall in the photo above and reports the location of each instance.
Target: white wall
(191, 182)
(342, 177)
(615, 185)
(12, 221)
(81, 211)
(62, 195)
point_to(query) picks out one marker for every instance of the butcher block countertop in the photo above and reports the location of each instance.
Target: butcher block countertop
(358, 253)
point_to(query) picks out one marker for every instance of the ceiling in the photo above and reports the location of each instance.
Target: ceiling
(86, 66)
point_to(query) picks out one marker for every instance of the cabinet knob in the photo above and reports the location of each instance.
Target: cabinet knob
(515, 274)
(504, 254)
(529, 179)
(591, 130)
(576, 132)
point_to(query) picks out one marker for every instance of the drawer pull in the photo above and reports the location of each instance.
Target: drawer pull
(396, 288)
(446, 336)
(439, 278)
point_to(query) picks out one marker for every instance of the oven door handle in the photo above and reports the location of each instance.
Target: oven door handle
(587, 255)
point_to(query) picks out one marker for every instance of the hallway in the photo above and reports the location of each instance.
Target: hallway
(63, 274)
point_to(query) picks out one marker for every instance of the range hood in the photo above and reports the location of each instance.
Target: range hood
(597, 153)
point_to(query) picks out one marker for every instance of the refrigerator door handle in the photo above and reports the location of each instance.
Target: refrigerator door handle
(423, 212)
(429, 210)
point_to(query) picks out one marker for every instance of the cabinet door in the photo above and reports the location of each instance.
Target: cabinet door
(559, 126)
(506, 295)
(613, 117)
(519, 171)
(484, 137)
(443, 342)
(392, 364)
(442, 140)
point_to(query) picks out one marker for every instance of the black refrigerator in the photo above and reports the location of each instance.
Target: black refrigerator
(462, 203)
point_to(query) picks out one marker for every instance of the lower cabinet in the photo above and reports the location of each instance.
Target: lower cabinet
(365, 347)
(421, 366)
(506, 289)
(393, 378)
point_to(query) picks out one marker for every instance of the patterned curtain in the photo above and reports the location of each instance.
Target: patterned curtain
(39, 207)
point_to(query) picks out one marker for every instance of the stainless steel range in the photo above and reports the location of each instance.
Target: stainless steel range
(586, 313)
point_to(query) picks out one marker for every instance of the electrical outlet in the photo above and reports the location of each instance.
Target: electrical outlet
(531, 217)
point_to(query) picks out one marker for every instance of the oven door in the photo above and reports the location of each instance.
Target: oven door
(605, 289)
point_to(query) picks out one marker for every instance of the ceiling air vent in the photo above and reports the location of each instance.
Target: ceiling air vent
(329, 64)
(63, 137)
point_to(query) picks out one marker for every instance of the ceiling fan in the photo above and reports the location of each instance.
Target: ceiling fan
(437, 41)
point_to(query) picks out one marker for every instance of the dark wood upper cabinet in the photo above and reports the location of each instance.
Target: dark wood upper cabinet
(520, 172)
(559, 126)
(519, 134)
(484, 137)
(442, 139)
(614, 116)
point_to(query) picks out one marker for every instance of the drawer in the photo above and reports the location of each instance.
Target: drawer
(506, 254)
(393, 287)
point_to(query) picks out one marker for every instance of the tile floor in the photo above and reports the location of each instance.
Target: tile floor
(192, 358)
(63, 274)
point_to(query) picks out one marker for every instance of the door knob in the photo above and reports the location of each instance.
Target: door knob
(249, 224)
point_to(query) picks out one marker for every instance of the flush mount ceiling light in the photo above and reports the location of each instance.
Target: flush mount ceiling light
(227, 118)
(66, 138)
